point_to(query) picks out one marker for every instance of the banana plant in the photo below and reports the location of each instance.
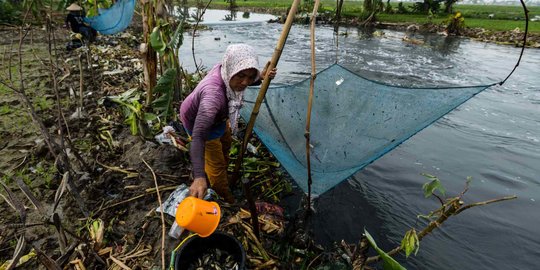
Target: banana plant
(166, 41)
(93, 6)
(165, 88)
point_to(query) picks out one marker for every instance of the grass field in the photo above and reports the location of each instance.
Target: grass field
(505, 17)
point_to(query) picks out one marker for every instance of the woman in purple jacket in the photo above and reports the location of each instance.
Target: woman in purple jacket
(204, 114)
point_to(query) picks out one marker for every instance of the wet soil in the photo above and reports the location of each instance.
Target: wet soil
(129, 226)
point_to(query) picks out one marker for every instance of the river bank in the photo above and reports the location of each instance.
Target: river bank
(108, 217)
(490, 32)
(509, 37)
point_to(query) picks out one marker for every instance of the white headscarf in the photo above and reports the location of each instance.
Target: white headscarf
(237, 57)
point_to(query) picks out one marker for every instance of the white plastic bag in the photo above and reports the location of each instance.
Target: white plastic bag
(171, 204)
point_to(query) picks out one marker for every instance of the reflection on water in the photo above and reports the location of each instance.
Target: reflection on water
(231, 16)
(217, 17)
(494, 138)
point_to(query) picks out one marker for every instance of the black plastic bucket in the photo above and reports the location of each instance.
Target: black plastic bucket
(196, 246)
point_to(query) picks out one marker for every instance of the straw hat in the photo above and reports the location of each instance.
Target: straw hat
(74, 7)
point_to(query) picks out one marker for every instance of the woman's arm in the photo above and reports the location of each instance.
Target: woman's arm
(206, 114)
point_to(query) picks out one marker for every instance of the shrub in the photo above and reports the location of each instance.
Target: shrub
(401, 9)
(9, 13)
(456, 24)
(427, 6)
(388, 8)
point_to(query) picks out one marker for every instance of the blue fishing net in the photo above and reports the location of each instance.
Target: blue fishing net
(114, 19)
(354, 121)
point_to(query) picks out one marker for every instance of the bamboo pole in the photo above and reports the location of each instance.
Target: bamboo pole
(339, 5)
(310, 101)
(526, 13)
(262, 93)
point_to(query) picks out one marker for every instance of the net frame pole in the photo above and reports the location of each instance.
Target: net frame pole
(526, 13)
(310, 101)
(246, 184)
(339, 6)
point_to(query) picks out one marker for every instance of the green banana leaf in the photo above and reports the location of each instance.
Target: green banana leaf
(178, 37)
(165, 88)
(156, 40)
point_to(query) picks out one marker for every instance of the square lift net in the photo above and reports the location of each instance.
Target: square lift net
(354, 121)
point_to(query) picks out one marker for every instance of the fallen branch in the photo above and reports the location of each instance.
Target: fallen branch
(454, 207)
(47, 261)
(118, 169)
(119, 263)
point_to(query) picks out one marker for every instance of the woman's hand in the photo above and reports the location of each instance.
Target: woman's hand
(271, 73)
(198, 188)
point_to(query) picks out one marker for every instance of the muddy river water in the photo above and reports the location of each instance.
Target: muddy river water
(493, 138)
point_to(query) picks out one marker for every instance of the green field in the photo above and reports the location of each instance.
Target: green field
(505, 17)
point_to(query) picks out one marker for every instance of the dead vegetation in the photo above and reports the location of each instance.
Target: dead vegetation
(82, 190)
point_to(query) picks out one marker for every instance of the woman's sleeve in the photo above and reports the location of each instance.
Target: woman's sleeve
(206, 115)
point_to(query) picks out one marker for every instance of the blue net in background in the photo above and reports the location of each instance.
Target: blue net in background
(114, 19)
(354, 121)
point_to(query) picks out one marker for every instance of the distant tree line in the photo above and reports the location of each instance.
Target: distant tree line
(421, 7)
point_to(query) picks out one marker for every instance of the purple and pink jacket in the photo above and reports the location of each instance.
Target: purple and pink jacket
(204, 114)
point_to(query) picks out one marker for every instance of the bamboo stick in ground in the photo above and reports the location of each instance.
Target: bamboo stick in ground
(310, 102)
(262, 93)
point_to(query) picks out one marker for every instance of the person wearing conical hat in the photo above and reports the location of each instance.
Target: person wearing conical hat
(74, 7)
(75, 21)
